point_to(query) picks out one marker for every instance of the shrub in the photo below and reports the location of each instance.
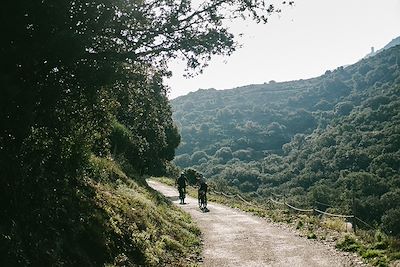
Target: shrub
(349, 244)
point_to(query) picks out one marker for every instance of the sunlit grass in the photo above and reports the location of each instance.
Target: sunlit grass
(145, 223)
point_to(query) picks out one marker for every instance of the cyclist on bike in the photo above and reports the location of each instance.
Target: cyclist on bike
(202, 193)
(182, 182)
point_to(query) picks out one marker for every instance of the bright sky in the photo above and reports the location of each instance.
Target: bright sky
(302, 42)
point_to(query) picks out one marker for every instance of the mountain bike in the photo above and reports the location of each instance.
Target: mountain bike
(202, 197)
(182, 194)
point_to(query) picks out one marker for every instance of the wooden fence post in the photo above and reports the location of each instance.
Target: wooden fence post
(354, 214)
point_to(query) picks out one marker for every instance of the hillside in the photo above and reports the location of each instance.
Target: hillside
(329, 139)
(394, 42)
(85, 118)
(111, 220)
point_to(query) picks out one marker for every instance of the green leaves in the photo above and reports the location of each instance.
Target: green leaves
(325, 139)
(82, 79)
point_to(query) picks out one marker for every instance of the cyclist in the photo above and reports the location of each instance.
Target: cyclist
(202, 193)
(182, 182)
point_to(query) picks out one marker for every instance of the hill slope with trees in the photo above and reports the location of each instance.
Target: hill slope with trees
(331, 139)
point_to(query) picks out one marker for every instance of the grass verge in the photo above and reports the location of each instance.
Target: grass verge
(102, 218)
(143, 227)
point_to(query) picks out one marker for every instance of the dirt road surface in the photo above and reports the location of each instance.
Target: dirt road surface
(235, 238)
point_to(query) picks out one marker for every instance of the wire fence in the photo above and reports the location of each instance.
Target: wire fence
(284, 203)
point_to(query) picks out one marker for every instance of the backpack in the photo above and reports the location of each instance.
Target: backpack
(203, 187)
(181, 181)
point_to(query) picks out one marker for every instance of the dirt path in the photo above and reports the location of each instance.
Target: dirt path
(235, 238)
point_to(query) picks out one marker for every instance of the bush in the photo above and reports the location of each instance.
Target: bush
(192, 176)
(349, 244)
(391, 221)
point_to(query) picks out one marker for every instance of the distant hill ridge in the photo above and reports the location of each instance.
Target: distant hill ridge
(394, 42)
(312, 140)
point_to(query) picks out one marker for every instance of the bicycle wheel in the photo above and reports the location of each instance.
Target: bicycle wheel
(181, 194)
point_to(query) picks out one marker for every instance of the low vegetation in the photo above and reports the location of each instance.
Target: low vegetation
(118, 221)
(148, 224)
(374, 246)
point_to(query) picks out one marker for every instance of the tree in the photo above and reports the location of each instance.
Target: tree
(76, 52)
(197, 156)
(225, 153)
(343, 108)
(70, 73)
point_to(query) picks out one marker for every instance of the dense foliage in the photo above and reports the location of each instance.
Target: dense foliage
(333, 139)
(83, 79)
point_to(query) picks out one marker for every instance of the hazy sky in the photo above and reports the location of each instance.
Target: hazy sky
(302, 42)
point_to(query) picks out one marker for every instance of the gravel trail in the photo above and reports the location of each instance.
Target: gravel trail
(235, 238)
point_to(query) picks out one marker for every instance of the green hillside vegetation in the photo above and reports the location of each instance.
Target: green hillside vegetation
(333, 139)
(84, 116)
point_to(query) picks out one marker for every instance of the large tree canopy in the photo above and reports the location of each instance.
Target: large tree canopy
(51, 51)
(84, 78)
